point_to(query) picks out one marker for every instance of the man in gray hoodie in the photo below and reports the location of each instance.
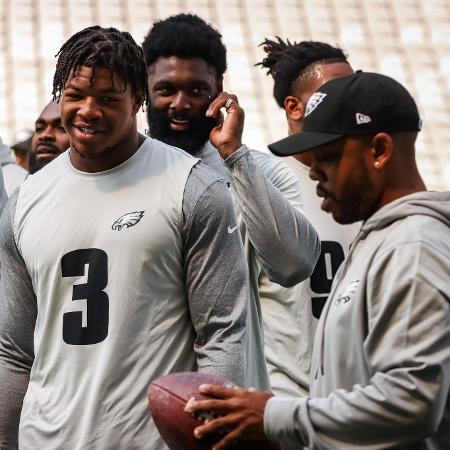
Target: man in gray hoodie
(380, 371)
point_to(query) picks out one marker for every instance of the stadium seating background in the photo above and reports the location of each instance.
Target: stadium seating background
(406, 39)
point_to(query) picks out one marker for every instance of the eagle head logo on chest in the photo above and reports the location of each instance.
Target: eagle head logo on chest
(347, 294)
(128, 220)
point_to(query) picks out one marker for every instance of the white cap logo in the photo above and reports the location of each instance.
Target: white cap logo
(361, 118)
(314, 101)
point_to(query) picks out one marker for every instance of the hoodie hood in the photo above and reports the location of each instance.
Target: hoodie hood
(427, 203)
(5, 154)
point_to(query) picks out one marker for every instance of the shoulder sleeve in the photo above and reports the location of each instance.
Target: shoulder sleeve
(408, 354)
(13, 176)
(3, 196)
(269, 197)
(216, 275)
(17, 321)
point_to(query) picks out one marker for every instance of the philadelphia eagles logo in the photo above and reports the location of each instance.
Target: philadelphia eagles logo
(314, 101)
(128, 220)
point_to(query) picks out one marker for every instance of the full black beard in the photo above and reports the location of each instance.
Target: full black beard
(191, 140)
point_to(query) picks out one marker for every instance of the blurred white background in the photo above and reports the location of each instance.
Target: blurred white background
(406, 39)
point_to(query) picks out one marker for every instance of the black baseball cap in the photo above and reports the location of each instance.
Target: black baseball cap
(361, 103)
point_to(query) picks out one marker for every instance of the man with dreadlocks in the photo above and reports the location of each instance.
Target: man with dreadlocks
(186, 60)
(130, 277)
(298, 70)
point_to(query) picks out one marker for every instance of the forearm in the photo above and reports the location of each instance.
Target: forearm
(385, 414)
(13, 386)
(223, 353)
(285, 241)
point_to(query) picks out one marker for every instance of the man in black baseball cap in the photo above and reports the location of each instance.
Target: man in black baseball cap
(365, 124)
(360, 103)
(380, 371)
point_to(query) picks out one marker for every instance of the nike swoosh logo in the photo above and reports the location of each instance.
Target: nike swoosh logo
(232, 230)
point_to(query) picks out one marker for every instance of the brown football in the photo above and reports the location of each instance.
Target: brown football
(167, 397)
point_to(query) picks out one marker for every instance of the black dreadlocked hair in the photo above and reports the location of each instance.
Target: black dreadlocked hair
(186, 36)
(286, 61)
(106, 48)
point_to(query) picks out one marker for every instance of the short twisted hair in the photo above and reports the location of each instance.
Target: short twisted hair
(106, 48)
(286, 61)
(186, 36)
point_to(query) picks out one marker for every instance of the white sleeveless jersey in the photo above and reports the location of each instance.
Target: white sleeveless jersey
(290, 314)
(104, 251)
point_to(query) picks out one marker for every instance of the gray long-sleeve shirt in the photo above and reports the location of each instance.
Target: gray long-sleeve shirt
(277, 236)
(268, 204)
(173, 277)
(268, 196)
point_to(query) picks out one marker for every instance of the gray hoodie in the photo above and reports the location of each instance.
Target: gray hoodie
(12, 173)
(380, 370)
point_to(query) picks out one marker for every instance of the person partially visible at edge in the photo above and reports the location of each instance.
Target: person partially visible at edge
(290, 314)
(380, 373)
(49, 140)
(3, 195)
(115, 267)
(21, 147)
(186, 60)
(13, 175)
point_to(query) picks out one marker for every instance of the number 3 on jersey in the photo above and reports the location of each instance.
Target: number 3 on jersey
(73, 265)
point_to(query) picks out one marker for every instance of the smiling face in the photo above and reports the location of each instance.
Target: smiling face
(49, 139)
(100, 118)
(180, 93)
(346, 179)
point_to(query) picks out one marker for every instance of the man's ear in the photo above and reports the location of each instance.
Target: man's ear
(294, 107)
(382, 149)
(138, 101)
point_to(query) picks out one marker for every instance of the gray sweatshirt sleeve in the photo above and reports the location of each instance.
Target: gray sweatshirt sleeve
(3, 196)
(17, 321)
(285, 242)
(408, 352)
(216, 275)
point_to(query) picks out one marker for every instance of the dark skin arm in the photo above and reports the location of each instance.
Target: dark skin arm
(241, 411)
(227, 135)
